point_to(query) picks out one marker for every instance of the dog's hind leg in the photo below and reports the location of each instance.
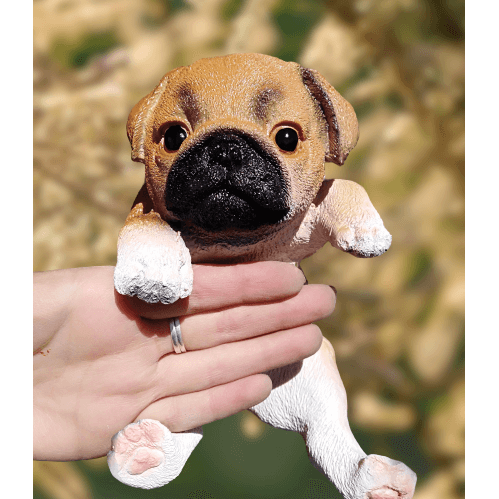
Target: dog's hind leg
(147, 455)
(308, 397)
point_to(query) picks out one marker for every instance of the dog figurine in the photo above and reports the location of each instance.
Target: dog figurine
(234, 150)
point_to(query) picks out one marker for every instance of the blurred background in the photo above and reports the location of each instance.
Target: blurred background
(398, 328)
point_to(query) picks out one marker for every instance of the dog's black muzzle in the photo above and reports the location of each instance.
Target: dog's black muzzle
(227, 181)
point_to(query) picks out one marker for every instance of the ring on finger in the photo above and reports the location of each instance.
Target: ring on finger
(176, 334)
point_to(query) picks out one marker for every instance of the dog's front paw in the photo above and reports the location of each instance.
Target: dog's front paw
(146, 454)
(380, 477)
(350, 220)
(156, 269)
(364, 240)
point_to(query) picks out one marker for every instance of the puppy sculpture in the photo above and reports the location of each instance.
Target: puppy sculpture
(234, 150)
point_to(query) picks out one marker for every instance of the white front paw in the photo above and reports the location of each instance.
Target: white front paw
(364, 240)
(154, 268)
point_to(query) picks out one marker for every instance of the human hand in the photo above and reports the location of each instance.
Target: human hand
(103, 360)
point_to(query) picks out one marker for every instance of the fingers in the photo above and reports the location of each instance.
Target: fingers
(221, 286)
(184, 412)
(207, 330)
(312, 303)
(203, 369)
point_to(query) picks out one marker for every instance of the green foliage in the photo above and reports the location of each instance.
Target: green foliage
(230, 9)
(419, 268)
(77, 53)
(175, 6)
(295, 20)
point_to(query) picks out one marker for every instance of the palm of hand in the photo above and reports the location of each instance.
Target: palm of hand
(104, 369)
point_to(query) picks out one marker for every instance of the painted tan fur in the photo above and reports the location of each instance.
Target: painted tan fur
(254, 96)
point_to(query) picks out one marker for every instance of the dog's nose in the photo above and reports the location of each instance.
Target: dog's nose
(228, 154)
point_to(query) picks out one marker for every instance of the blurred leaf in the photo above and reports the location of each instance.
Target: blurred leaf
(175, 6)
(295, 20)
(231, 9)
(418, 268)
(75, 54)
(445, 19)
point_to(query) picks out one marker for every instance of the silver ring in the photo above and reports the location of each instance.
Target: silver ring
(178, 344)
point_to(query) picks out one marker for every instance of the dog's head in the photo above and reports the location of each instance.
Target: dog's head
(237, 144)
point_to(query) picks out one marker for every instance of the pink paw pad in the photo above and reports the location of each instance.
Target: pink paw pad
(138, 447)
(384, 493)
(384, 478)
(144, 459)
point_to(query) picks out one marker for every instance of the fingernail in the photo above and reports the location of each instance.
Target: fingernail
(334, 290)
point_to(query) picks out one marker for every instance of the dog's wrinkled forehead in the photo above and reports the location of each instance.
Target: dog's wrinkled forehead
(200, 104)
(235, 88)
(253, 92)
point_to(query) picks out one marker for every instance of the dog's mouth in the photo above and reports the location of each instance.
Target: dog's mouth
(227, 181)
(228, 207)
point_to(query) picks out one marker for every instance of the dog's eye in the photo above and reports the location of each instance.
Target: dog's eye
(286, 139)
(174, 137)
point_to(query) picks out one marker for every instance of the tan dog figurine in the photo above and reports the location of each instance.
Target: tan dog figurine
(234, 150)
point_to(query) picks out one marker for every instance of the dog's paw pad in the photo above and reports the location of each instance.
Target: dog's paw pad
(147, 432)
(133, 433)
(144, 459)
(148, 455)
(380, 477)
(383, 493)
(137, 448)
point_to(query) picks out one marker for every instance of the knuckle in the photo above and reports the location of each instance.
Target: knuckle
(227, 324)
(240, 281)
(218, 368)
(276, 279)
(243, 279)
(212, 406)
(236, 397)
(171, 414)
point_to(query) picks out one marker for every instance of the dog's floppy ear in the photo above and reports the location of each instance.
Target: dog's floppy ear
(342, 125)
(139, 117)
(134, 129)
